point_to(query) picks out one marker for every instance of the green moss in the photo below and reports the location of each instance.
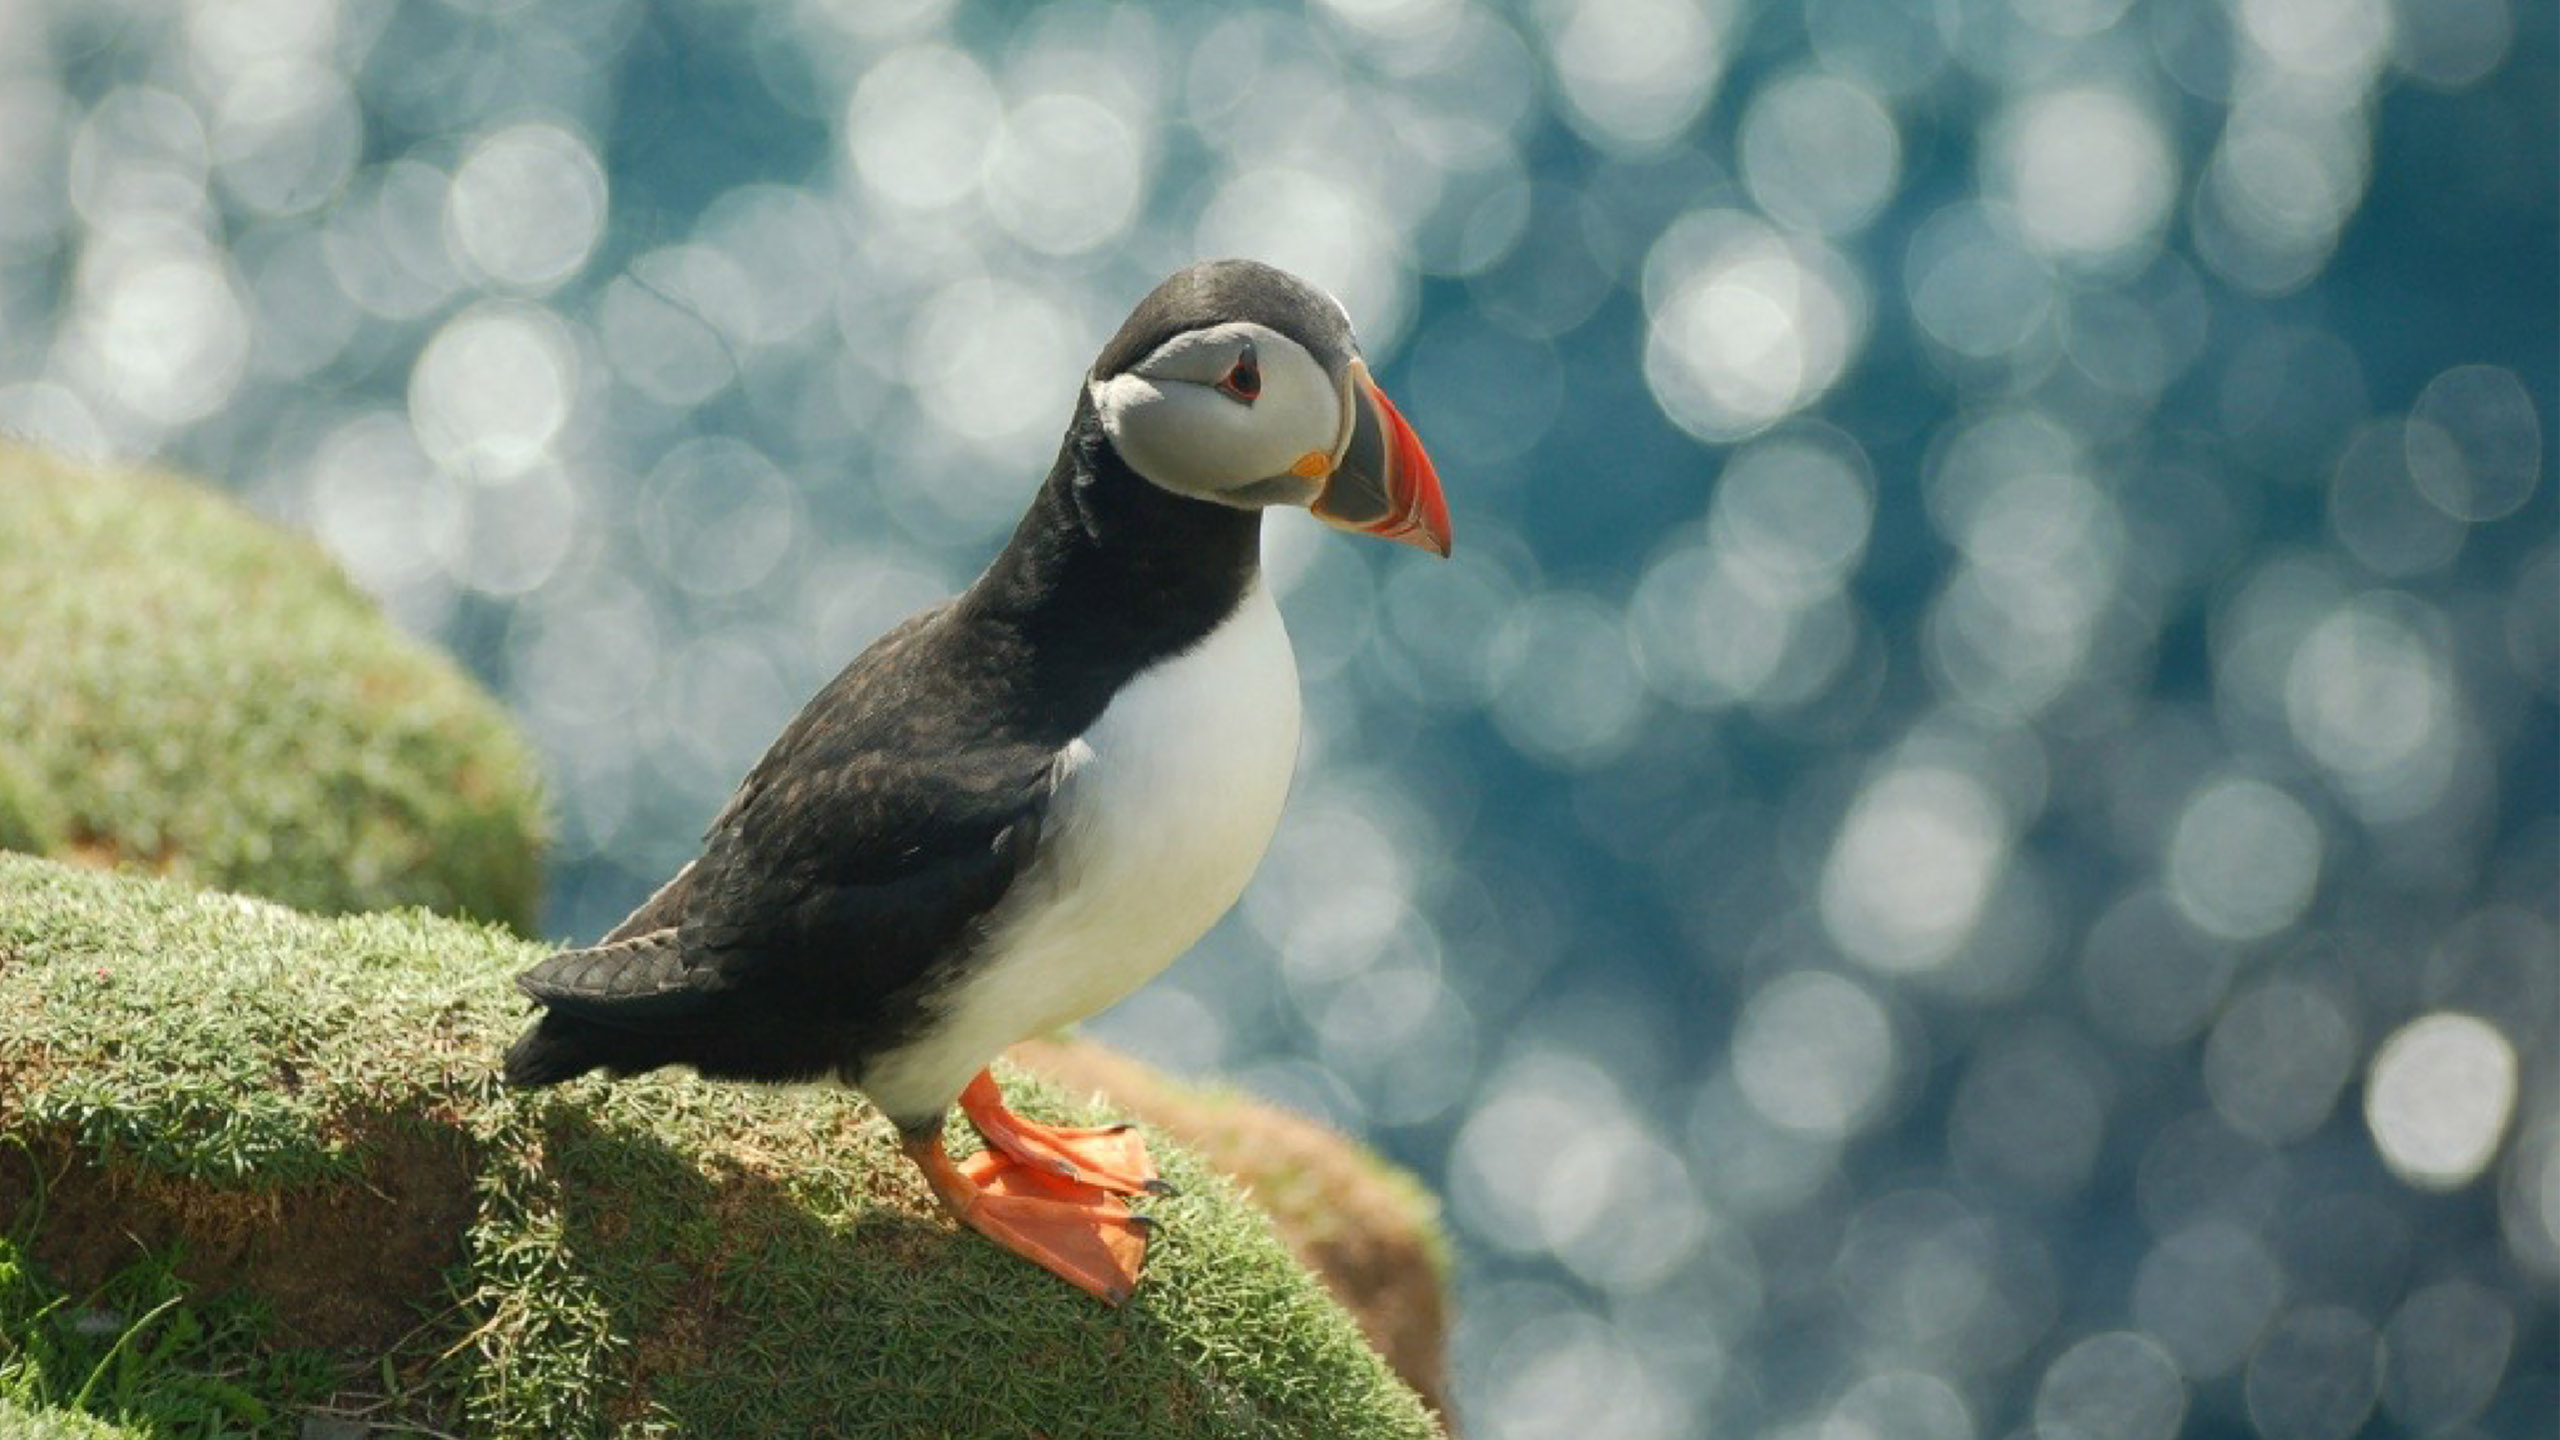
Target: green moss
(191, 691)
(654, 1257)
(30, 820)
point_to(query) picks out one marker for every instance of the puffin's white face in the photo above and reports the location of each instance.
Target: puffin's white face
(1236, 413)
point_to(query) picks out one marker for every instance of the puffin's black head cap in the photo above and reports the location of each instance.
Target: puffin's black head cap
(1215, 292)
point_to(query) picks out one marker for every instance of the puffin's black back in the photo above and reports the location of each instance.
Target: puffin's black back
(853, 869)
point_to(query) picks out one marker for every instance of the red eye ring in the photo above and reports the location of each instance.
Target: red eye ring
(1243, 379)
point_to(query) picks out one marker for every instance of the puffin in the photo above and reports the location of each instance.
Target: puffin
(1017, 806)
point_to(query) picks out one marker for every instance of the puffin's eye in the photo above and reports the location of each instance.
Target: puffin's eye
(1244, 378)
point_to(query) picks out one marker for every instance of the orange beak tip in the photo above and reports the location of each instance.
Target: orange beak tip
(1422, 510)
(1382, 483)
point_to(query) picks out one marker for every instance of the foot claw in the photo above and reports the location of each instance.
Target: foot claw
(1160, 1187)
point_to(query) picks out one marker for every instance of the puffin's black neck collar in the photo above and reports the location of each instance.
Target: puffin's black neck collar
(1109, 574)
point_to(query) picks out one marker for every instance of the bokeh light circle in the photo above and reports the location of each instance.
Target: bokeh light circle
(2315, 1376)
(2277, 1059)
(1067, 175)
(1821, 152)
(2120, 1385)
(2438, 1099)
(2089, 175)
(1634, 73)
(2475, 443)
(1744, 326)
(1814, 1052)
(494, 389)
(2244, 859)
(527, 206)
(1912, 867)
(920, 126)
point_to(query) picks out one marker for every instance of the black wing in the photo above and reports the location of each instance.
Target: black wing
(859, 856)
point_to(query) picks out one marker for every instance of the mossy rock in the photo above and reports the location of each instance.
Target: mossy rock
(192, 691)
(1370, 1231)
(307, 1110)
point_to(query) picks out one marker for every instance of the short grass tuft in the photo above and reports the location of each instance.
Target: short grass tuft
(24, 1421)
(191, 691)
(291, 1109)
(139, 1346)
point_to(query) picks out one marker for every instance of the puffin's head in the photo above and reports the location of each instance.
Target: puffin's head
(1240, 384)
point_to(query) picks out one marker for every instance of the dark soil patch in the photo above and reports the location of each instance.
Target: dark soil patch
(353, 1264)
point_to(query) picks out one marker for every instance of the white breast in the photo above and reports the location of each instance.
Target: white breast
(1170, 803)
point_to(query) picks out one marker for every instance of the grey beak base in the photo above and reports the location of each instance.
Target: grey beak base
(1356, 495)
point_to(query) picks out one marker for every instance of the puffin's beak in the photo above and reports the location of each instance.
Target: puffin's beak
(1383, 485)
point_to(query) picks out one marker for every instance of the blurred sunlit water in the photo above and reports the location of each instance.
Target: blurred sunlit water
(1967, 847)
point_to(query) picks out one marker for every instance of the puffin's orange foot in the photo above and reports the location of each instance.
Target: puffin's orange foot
(1079, 1233)
(1110, 1157)
(1098, 1248)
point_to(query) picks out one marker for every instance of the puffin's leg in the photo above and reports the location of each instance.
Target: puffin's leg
(1082, 1235)
(1109, 1157)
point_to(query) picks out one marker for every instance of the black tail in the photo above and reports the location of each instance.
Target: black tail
(563, 1047)
(608, 1008)
(635, 1004)
(552, 1051)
